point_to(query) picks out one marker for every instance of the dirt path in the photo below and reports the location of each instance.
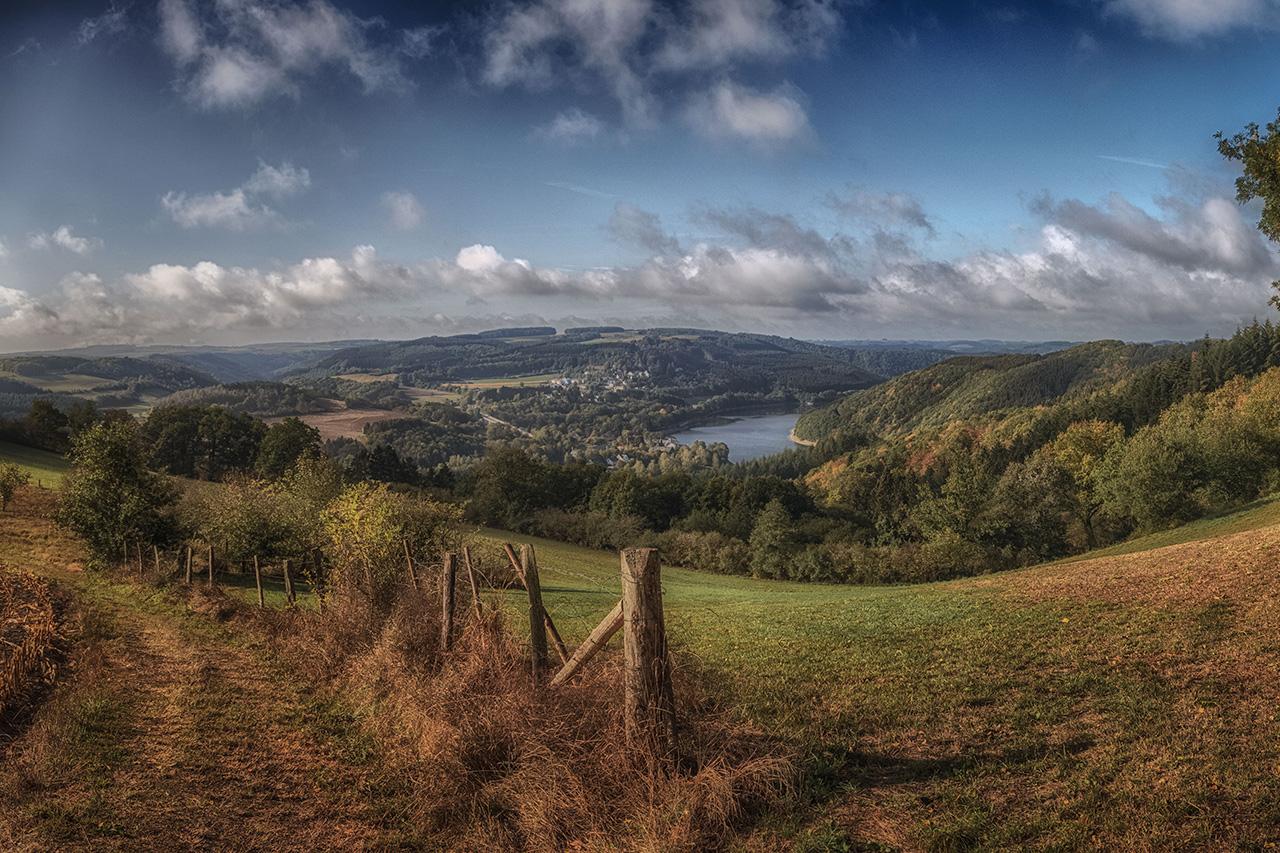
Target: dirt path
(170, 734)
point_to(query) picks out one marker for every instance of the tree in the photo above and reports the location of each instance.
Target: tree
(773, 542)
(1259, 156)
(11, 478)
(110, 497)
(46, 426)
(1077, 452)
(283, 445)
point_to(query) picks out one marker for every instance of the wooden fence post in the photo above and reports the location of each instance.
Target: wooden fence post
(257, 579)
(210, 564)
(288, 585)
(155, 556)
(648, 700)
(537, 613)
(471, 579)
(137, 544)
(448, 575)
(609, 626)
(189, 555)
(546, 617)
(408, 559)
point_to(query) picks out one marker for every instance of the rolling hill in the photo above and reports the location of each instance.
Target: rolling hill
(970, 386)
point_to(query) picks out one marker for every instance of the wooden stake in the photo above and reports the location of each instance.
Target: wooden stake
(288, 585)
(520, 572)
(448, 575)
(210, 564)
(408, 558)
(155, 556)
(257, 579)
(471, 579)
(189, 555)
(648, 700)
(609, 626)
(137, 544)
(537, 613)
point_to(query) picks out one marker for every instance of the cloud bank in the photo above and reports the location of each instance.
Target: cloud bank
(1192, 264)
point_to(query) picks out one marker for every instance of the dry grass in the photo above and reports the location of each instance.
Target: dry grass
(345, 423)
(497, 764)
(28, 639)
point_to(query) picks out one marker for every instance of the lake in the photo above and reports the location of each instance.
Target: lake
(747, 438)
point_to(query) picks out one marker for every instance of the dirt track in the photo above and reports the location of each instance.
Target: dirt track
(168, 735)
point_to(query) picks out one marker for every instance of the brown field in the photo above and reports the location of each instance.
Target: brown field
(345, 423)
(369, 377)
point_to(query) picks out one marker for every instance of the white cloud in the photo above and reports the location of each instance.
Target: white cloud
(640, 51)
(278, 181)
(1192, 265)
(719, 33)
(1184, 20)
(4, 250)
(247, 51)
(239, 209)
(110, 23)
(729, 110)
(403, 210)
(570, 127)
(231, 210)
(63, 238)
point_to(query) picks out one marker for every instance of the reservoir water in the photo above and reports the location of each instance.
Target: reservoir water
(747, 438)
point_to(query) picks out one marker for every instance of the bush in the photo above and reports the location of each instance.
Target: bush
(705, 551)
(590, 529)
(368, 527)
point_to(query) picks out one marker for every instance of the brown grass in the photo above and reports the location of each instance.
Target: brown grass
(28, 639)
(497, 764)
(345, 423)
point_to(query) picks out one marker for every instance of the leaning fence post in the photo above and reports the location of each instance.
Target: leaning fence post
(288, 585)
(155, 556)
(257, 579)
(537, 613)
(648, 700)
(546, 617)
(189, 565)
(608, 626)
(137, 544)
(471, 579)
(448, 575)
(408, 559)
(210, 564)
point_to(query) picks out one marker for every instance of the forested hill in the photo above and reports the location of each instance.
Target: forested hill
(971, 386)
(721, 361)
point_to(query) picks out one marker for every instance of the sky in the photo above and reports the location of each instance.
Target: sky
(235, 171)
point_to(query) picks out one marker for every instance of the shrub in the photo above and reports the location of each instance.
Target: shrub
(368, 527)
(590, 529)
(11, 479)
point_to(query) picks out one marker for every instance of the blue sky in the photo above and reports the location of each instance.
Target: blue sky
(243, 170)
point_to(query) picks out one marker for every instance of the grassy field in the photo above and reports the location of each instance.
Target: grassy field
(1100, 703)
(43, 466)
(508, 381)
(1125, 700)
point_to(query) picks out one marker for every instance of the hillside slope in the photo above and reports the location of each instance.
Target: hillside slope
(1113, 702)
(1116, 702)
(970, 386)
